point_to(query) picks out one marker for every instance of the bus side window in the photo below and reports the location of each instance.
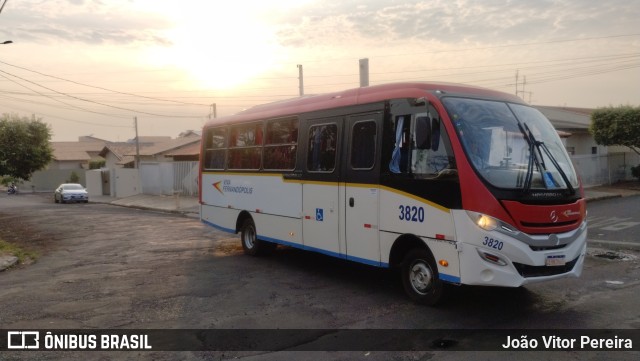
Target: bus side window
(321, 155)
(281, 144)
(363, 145)
(215, 148)
(245, 146)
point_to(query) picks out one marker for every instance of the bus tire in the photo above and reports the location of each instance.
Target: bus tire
(420, 277)
(249, 238)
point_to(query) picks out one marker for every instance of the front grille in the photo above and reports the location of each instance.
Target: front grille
(527, 271)
(545, 225)
(546, 248)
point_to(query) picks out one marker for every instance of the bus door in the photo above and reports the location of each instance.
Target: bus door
(362, 193)
(320, 189)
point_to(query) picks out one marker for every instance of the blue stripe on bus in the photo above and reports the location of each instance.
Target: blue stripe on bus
(449, 278)
(228, 230)
(442, 276)
(307, 248)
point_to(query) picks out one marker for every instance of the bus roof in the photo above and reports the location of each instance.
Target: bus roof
(356, 96)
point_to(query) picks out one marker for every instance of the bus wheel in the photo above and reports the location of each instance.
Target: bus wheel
(420, 277)
(249, 237)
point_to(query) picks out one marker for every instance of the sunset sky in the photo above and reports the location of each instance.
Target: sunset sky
(89, 67)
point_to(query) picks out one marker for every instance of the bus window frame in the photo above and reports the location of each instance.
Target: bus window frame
(209, 147)
(337, 147)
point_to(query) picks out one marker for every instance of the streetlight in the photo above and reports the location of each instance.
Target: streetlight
(7, 42)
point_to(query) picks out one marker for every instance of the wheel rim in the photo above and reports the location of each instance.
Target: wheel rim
(249, 237)
(420, 277)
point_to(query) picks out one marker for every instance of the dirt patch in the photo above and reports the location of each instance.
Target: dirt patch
(19, 233)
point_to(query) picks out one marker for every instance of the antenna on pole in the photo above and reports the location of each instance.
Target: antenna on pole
(300, 80)
(364, 72)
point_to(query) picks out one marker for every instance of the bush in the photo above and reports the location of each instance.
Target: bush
(97, 163)
(73, 178)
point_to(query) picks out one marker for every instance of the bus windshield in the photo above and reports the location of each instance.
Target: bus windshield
(511, 146)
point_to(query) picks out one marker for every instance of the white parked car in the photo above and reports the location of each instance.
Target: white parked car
(71, 192)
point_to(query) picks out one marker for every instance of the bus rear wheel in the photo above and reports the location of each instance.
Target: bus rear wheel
(420, 277)
(250, 242)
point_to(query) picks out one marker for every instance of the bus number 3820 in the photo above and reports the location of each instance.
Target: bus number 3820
(411, 213)
(492, 243)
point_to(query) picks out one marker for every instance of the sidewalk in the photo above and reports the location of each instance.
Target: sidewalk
(607, 192)
(185, 205)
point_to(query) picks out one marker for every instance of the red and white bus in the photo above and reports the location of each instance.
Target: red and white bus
(450, 183)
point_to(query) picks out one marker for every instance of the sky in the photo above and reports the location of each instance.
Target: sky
(89, 67)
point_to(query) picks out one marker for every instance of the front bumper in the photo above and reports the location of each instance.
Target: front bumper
(520, 261)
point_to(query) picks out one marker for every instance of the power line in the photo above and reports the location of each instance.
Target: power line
(99, 103)
(101, 88)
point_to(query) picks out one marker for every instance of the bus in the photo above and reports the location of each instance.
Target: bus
(450, 184)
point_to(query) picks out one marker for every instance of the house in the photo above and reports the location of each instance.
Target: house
(573, 126)
(76, 155)
(115, 155)
(189, 152)
(151, 149)
(159, 152)
(596, 164)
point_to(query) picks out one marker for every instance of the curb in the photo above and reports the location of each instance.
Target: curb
(602, 198)
(7, 262)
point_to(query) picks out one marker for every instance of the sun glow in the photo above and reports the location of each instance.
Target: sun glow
(218, 44)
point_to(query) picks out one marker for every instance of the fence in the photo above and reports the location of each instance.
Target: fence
(169, 178)
(605, 169)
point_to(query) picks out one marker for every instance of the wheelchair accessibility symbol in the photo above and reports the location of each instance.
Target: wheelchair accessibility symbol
(319, 214)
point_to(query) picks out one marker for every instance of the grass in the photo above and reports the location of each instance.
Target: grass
(23, 255)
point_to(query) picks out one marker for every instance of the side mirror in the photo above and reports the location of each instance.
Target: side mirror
(435, 134)
(423, 132)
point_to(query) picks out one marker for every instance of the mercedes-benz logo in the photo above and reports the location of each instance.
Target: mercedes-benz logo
(553, 216)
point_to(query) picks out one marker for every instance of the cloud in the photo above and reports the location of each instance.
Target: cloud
(446, 21)
(82, 21)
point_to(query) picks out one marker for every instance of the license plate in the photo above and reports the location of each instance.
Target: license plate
(555, 260)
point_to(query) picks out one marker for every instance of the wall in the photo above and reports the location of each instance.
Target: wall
(49, 180)
(94, 182)
(605, 169)
(127, 182)
(169, 177)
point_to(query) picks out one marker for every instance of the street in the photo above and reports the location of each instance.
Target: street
(107, 267)
(615, 223)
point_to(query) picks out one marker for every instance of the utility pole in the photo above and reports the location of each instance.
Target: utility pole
(135, 122)
(364, 72)
(517, 71)
(300, 80)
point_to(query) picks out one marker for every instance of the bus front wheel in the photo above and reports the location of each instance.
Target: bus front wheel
(420, 277)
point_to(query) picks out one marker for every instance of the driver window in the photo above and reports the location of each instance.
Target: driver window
(422, 147)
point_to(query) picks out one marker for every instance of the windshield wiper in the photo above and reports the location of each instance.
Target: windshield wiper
(547, 177)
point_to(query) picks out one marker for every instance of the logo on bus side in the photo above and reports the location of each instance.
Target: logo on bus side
(225, 186)
(216, 185)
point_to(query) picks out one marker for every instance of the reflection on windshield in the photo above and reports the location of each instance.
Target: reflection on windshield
(502, 152)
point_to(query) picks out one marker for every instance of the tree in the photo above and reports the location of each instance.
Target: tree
(617, 126)
(24, 146)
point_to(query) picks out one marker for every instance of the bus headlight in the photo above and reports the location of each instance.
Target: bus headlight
(483, 221)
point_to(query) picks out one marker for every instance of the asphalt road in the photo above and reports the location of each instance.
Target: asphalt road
(615, 223)
(106, 267)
